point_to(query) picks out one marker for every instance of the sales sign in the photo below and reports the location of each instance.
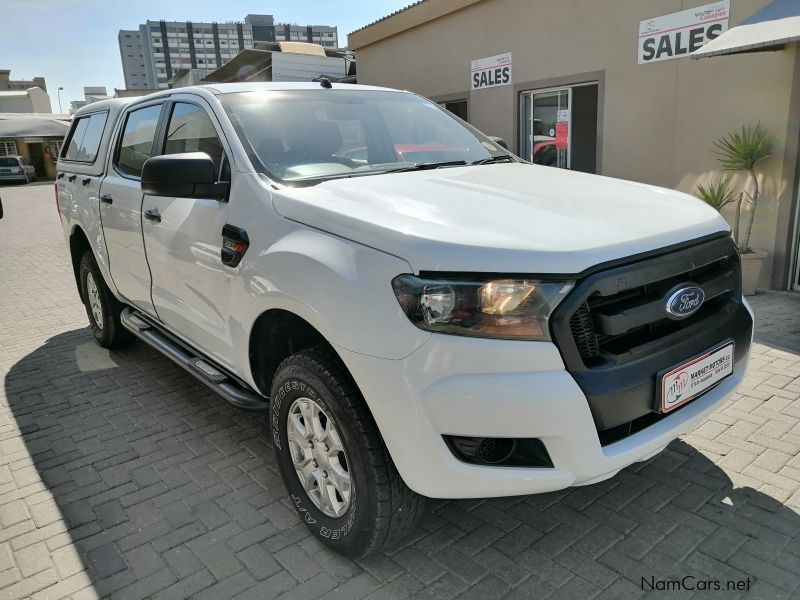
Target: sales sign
(681, 33)
(491, 71)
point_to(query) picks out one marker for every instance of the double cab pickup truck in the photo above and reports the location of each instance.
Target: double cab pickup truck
(447, 322)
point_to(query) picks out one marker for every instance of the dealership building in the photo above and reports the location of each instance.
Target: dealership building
(636, 89)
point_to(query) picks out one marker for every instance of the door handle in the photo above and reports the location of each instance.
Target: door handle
(152, 215)
(60, 176)
(107, 199)
(86, 180)
(72, 178)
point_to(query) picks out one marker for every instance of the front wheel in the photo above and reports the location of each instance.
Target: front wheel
(336, 468)
(102, 308)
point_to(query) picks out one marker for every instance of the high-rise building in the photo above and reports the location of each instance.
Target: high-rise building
(266, 30)
(132, 55)
(152, 53)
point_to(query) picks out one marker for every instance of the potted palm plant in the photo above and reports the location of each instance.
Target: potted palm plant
(742, 151)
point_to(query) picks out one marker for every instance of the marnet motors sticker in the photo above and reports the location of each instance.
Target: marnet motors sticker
(692, 379)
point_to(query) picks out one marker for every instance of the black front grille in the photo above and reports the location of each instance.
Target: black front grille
(620, 432)
(584, 334)
(606, 326)
(615, 335)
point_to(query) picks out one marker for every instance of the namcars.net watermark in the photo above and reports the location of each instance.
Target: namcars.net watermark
(690, 583)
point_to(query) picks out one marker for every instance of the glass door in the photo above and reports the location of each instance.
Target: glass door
(794, 254)
(546, 133)
(794, 284)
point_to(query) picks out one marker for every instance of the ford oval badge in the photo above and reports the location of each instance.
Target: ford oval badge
(685, 301)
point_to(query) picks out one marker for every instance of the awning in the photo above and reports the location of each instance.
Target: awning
(245, 66)
(776, 24)
(26, 126)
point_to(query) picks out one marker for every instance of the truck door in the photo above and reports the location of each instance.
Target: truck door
(121, 205)
(79, 176)
(183, 239)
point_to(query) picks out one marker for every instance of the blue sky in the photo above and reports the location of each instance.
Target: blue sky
(73, 43)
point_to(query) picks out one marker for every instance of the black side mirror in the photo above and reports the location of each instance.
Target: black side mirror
(499, 141)
(187, 175)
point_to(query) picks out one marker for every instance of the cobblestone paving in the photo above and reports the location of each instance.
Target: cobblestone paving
(122, 477)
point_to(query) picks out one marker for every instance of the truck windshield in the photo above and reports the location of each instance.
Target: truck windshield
(306, 136)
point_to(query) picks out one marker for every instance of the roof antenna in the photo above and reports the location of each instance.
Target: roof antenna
(325, 82)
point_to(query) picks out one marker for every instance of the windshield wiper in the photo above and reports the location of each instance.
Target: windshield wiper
(415, 167)
(426, 166)
(494, 159)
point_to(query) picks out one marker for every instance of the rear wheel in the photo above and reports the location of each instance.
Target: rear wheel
(333, 461)
(102, 308)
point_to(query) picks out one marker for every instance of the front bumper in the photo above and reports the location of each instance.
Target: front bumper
(496, 388)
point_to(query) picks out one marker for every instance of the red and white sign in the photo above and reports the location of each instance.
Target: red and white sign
(562, 134)
(688, 381)
(681, 33)
(562, 129)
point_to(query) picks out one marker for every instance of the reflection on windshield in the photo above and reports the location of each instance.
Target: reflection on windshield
(310, 135)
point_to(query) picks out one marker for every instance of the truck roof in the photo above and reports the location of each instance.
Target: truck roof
(113, 105)
(227, 88)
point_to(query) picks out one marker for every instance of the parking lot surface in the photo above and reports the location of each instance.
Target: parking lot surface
(123, 477)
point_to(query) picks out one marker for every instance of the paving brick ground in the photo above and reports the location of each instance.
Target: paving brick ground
(122, 477)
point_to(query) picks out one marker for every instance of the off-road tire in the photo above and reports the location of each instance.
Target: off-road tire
(110, 333)
(383, 510)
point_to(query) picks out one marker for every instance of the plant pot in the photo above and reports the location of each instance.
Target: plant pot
(751, 270)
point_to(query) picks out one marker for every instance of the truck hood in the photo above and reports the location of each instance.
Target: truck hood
(512, 218)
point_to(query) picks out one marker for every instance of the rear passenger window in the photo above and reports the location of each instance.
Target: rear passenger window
(84, 140)
(191, 130)
(137, 140)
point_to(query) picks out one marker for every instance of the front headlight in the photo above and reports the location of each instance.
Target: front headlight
(496, 308)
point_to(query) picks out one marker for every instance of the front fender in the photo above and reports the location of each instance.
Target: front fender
(340, 287)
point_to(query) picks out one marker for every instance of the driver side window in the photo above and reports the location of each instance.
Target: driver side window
(190, 130)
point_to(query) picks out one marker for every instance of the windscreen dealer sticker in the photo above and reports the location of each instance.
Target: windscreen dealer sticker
(695, 377)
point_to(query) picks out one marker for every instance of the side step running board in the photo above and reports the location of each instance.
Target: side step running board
(233, 391)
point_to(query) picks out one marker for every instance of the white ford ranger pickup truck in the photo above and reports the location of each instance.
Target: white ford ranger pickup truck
(419, 312)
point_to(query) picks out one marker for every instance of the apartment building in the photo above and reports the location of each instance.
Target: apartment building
(266, 30)
(9, 85)
(155, 51)
(132, 54)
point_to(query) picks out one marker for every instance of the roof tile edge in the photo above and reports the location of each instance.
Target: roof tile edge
(413, 15)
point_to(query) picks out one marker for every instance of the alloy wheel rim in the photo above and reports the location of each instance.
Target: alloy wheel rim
(93, 296)
(318, 457)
